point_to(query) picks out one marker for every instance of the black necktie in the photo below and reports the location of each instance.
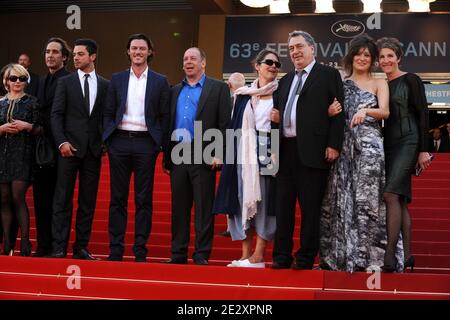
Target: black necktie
(86, 93)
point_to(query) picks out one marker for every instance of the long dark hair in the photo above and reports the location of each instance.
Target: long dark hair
(65, 49)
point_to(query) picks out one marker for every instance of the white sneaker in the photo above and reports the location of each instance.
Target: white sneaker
(234, 263)
(247, 264)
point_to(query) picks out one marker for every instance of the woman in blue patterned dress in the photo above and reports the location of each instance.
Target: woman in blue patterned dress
(353, 226)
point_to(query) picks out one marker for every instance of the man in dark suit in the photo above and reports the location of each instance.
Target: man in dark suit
(198, 99)
(439, 142)
(310, 142)
(136, 116)
(76, 121)
(33, 83)
(56, 55)
(446, 138)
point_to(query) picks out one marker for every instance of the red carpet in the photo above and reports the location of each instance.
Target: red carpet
(35, 278)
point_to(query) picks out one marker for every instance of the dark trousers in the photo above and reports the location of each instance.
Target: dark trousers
(131, 153)
(88, 169)
(296, 181)
(44, 186)
(192, 183)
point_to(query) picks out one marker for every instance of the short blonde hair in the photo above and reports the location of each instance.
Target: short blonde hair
(17, 69)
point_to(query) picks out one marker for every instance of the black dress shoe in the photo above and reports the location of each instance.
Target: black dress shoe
(175, 261)
(324, 266)
(25, 248)
(58, 254)
(83, 254)
(302, 266)
(201, 261)
(278, 265)
(225, 233)
(140, 259)
(41, 253)
(114, 258)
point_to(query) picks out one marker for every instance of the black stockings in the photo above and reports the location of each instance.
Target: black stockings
(398, 220)
(13, 202)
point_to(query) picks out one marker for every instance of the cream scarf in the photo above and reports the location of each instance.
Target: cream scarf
(250, 168)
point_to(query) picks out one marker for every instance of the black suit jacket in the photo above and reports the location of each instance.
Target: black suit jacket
(46, 94)
(445, 142)
(444, 146)
(315, 129)
(156, 104)
(70, 119)
(33, 87)
(213, 110)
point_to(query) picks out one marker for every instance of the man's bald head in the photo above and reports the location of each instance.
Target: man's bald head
(235, 81)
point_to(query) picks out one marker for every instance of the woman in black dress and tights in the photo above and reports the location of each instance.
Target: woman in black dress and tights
(18, 124)
(405, 144)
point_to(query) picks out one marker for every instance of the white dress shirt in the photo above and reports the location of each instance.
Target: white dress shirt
(292, 130)
(134, 117)
(92, 80)
(262, 114)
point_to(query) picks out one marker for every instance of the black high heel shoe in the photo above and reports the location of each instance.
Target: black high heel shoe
(390, 267)
(409, 263)
(25, 248)
(7, 251)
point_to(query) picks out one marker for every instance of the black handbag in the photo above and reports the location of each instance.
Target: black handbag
(45, 152)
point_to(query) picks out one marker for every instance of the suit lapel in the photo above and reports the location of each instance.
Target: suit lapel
(79, 91)
(174, 100)
(311, 77)
(148, 90)
(284, 94)
(204, 95)
(124, 91)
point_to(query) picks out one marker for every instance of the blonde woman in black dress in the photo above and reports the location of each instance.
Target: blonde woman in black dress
(18, 124)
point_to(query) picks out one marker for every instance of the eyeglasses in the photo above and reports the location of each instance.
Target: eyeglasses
(271, 62)
(15, 78)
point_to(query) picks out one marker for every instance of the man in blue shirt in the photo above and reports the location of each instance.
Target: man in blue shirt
(198, 104)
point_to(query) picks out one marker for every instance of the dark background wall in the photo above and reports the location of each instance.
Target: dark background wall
(171, 31)
(173, 25)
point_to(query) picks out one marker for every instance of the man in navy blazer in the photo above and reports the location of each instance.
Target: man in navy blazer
(135, 120)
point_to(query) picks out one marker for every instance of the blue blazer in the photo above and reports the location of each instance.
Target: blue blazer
(157, 110)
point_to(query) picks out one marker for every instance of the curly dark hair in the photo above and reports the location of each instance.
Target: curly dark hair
(356, 44)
